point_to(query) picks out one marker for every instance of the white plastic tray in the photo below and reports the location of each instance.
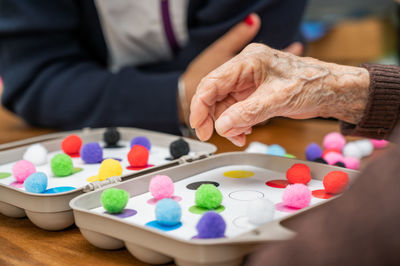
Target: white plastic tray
(52, 211)
(157, 247)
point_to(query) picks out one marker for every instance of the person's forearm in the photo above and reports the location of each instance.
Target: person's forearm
(350, 92)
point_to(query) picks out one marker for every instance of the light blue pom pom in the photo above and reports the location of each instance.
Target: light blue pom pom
(168, 212)
(36, 183)
(276, 150)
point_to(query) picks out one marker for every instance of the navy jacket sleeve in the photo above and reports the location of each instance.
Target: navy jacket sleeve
(51, 78)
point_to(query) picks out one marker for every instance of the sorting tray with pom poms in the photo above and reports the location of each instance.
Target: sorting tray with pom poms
(241, 178)
(50, 210)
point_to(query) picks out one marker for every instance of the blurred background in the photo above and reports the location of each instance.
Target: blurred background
(352, 31)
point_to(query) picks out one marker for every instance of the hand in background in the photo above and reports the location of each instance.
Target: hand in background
(222, 50)
(261, 83)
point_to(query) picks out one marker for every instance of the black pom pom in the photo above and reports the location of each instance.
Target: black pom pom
(320, 160)
(179, 148)
(111, 136)
(340, 164)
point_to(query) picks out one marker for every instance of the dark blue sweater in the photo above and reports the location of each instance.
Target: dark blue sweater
(54, 61)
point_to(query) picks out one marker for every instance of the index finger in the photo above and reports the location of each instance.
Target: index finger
(212, 88)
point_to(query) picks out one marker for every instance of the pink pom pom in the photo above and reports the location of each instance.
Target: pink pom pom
(334, 140)
(296, 196)
(379, 143)
(22, 169)
(161, 187)
(351, 163)
(333, 157)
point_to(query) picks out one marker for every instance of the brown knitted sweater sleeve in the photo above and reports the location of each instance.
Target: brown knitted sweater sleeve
(383, 108)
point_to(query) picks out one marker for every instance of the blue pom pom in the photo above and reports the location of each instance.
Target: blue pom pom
(276, 150)
(168, 212)
(92, 153)
(211, 225)
(141, 140)
(313, 151)
(36, 183)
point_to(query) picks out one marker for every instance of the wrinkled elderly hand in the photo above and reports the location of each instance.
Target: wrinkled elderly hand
(261, 83)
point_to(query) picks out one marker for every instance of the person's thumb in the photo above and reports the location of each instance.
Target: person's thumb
(241, 116)
(240, 35)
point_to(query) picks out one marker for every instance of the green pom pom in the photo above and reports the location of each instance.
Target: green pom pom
(208, 196)
(114, 200)
(61, 165)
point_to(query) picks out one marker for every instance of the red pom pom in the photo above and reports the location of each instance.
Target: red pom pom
(138, 156)
(71, 145)
(330, 150)
(336, 182)
(298, 173)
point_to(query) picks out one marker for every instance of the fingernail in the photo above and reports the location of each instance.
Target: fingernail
(223, 124)
(248, 20)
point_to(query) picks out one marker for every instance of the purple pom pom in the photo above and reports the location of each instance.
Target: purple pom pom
(313, 151)
(92, 153)
(141, 140)
(211, 225)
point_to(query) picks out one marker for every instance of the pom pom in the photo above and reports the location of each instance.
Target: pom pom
(179, 148)
(22, 169)
(109, 168)
(36, 183)
(111, 136)
(276, 150)
(298, 173)
(141, 140)
(365, 146)
(114, 200)
(313, 151)
(92, 153)
(208, 196)
(138, 156)
(211, 225)
(352, 150)
(333, 157)
(260, 211)
(351, 163)
(334, 140)
(168, 212)
(296, 196)
(161, 186)
(36, 154)
(328, 151)
(257, 147)
(61, 165)
(71, 145)
(379, 143)
(320, 160)
(336, 182)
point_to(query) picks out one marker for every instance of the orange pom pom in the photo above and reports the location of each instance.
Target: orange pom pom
(336, 182)
(138, 156)
(298, 173)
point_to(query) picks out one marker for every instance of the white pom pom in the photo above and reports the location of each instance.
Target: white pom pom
(257, 147)
(366, 147)
(351, 149)
(36, 154)
(260, 211)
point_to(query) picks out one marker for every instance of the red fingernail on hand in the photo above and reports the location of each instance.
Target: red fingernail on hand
(248, 20)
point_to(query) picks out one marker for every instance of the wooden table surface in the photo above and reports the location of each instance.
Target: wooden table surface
(22, 243)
